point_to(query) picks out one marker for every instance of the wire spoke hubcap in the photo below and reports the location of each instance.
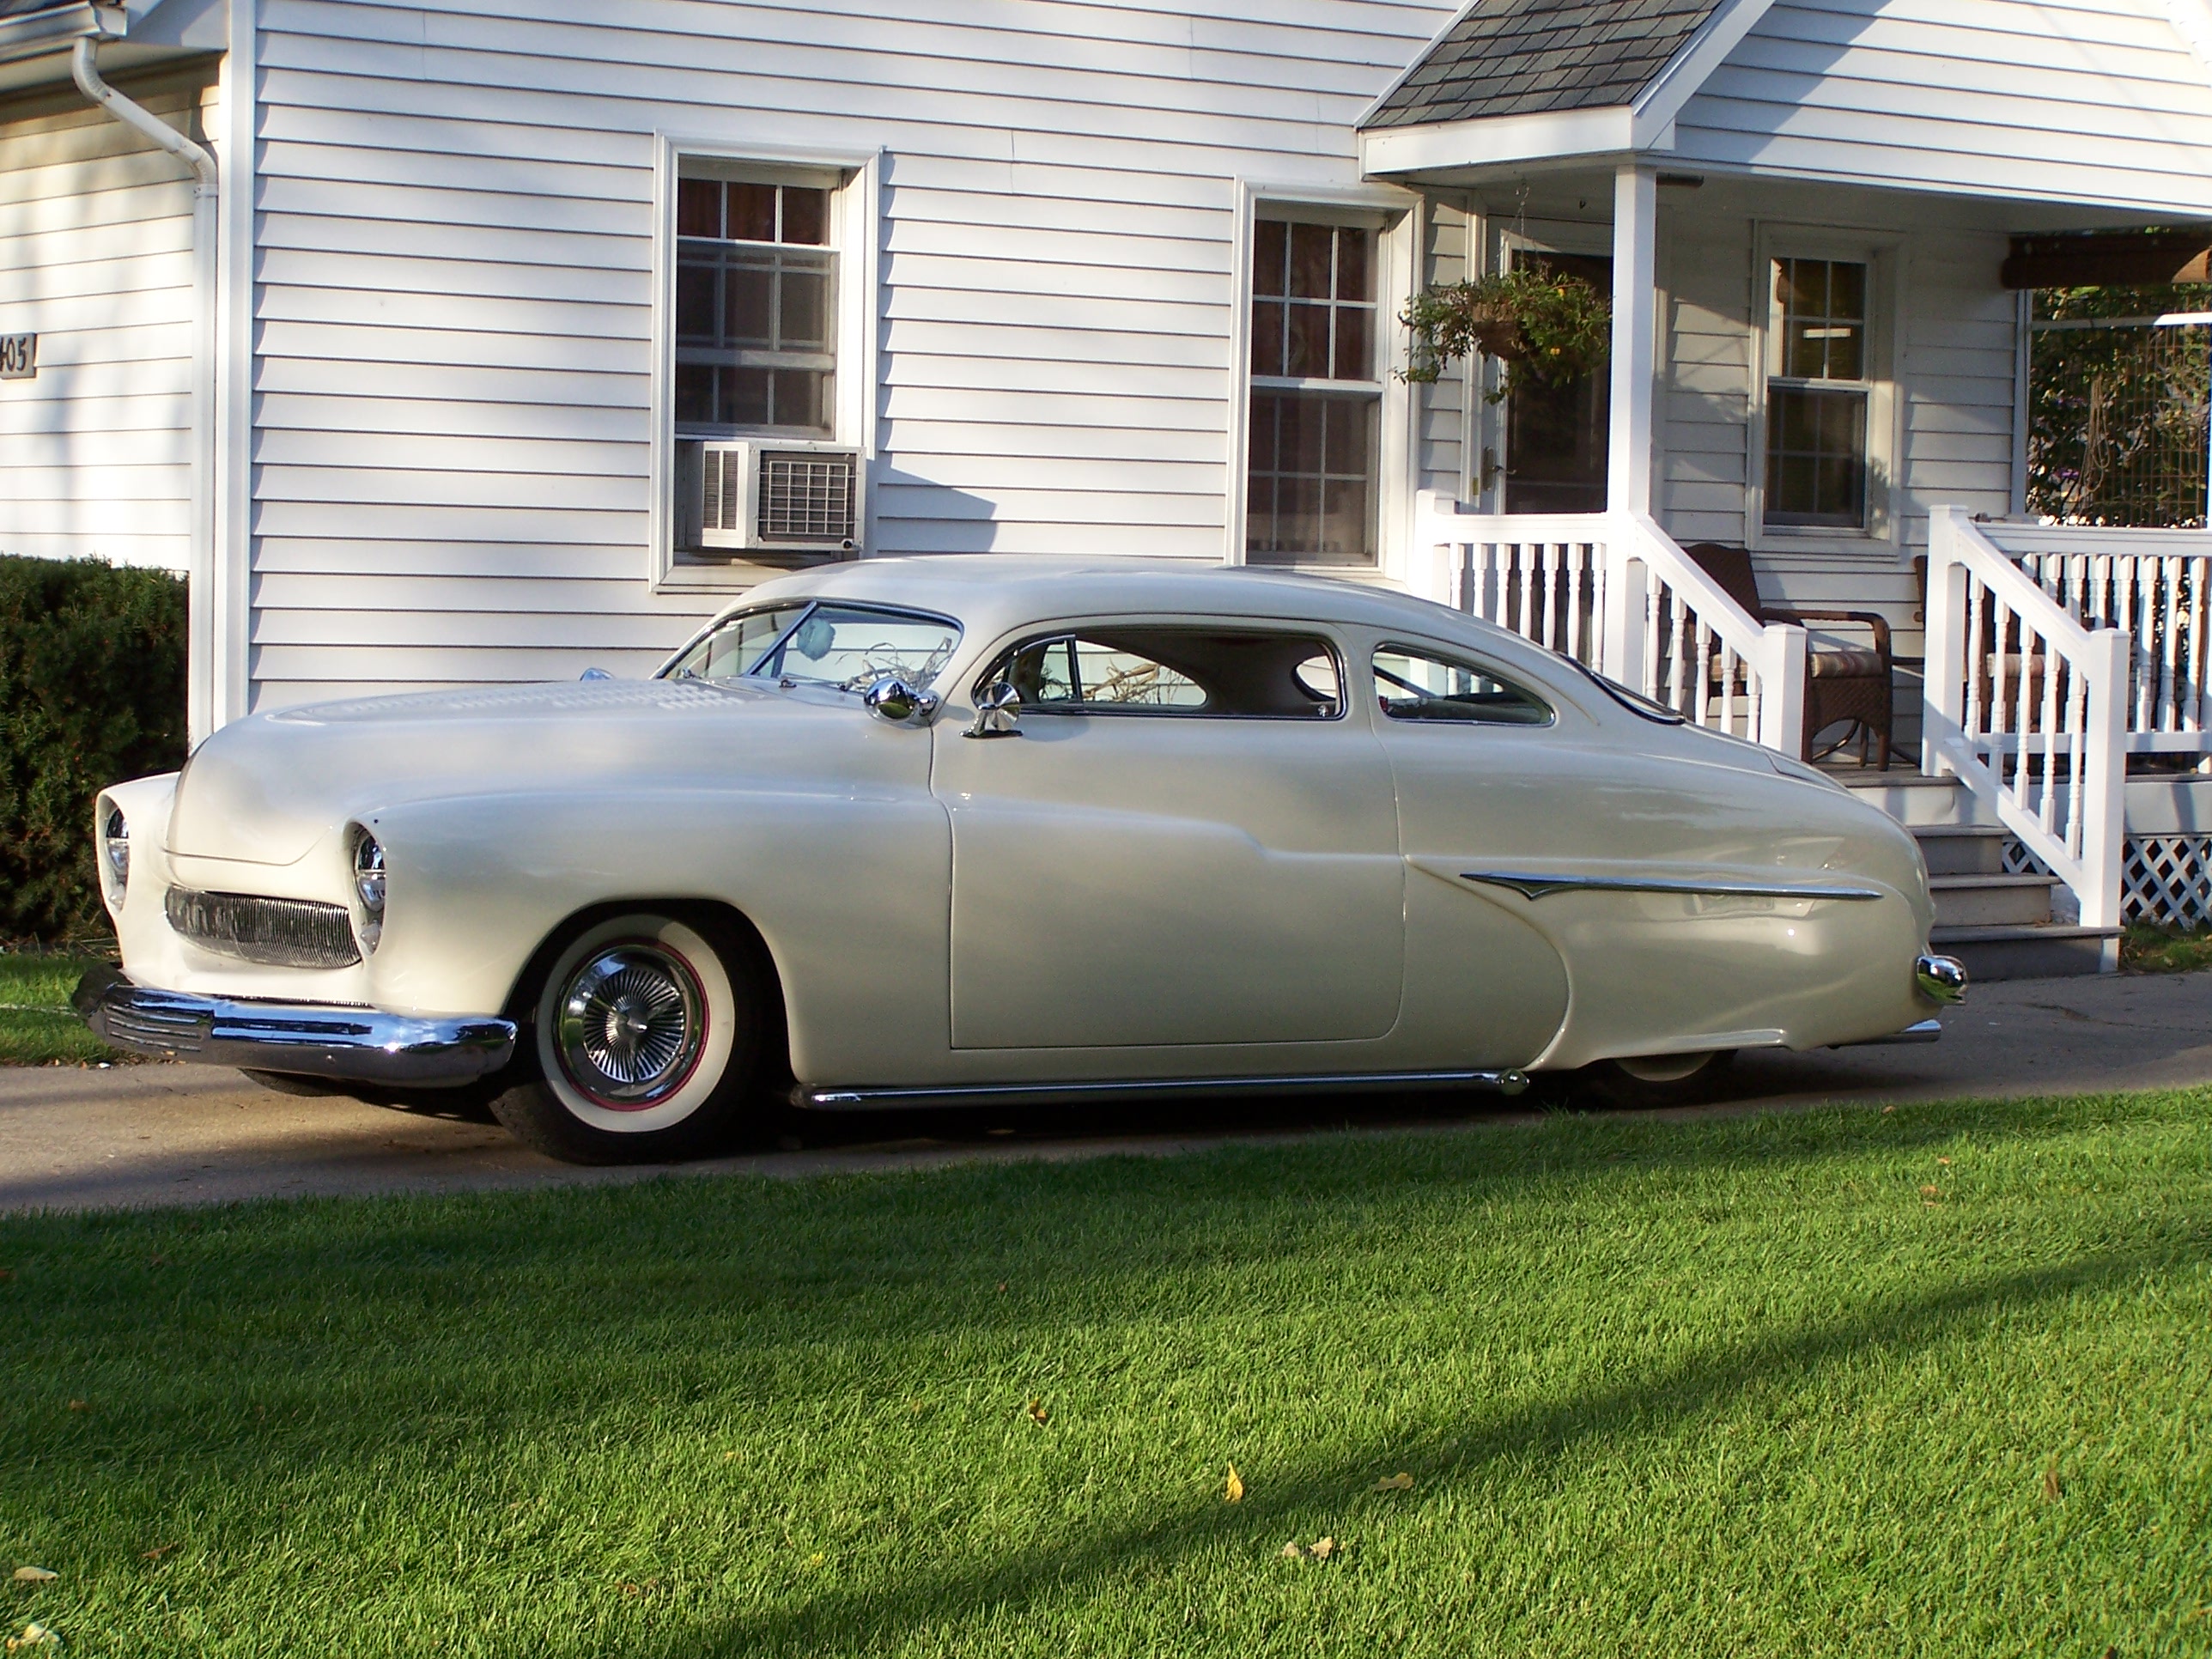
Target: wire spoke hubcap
(632, 1022)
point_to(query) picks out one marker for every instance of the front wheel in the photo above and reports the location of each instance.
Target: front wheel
(645, 1036)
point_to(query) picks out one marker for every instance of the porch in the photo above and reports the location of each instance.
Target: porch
(2061, 716)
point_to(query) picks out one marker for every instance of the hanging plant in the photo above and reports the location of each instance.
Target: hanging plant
(1550, 326)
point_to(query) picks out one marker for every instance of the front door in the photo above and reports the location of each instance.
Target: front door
(1192, 840)
(1555, 431)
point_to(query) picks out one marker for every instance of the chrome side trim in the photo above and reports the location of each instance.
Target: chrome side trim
(1531, 885)
(1921, 1031)
(312, 1039)
(1508, 1082)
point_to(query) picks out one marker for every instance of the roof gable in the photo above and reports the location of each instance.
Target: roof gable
(1536, 56)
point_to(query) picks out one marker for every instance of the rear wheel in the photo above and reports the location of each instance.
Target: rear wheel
(643, 1039)
(1657, 1079)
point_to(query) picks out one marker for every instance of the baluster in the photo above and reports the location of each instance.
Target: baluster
(1652, 592)
(1702, 694)
(1523, 563)
(1977, 662)
(2050, 734)
(1675, 666)
(2142, 670)
(1729, 661)
(1577, 558)
(2192, 654)
(2169, 582)
(2000, 629)
(2077, 728)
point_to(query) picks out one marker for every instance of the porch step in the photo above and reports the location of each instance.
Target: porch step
(1961, 849)
(1987, 901)
(1999, 924)
(2050, 951)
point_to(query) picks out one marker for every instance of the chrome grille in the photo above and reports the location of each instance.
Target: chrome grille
(274, 931)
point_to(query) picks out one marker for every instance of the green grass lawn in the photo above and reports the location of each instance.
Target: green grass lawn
(1928, 1381)
(2148, 949)
(36, 1025)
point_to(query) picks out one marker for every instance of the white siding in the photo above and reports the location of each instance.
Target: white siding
(95, 258)
(452, 442)
(1440, 411)
(2080, 100)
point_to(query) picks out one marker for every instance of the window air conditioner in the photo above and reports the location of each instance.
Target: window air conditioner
(771, 496)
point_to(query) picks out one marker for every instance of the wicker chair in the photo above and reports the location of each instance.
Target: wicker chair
(1843, 683)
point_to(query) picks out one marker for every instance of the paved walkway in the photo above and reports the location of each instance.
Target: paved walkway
(73, 1139)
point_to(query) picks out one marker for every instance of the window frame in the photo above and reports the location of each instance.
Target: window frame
(1396, 218)
(854, 179)
(995, 665)
(1879, 253)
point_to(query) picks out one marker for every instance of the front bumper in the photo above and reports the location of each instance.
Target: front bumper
(357, 1045)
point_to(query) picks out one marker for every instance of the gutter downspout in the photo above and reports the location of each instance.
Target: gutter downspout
(202, 677)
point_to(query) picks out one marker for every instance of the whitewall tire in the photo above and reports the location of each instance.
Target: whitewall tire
(644, 1033)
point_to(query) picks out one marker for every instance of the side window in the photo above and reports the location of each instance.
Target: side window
(1236, 674)
(1416, 684)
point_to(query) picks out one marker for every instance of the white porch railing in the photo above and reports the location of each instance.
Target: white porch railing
(1614, 591)
(2153, 584)
(2028, 707)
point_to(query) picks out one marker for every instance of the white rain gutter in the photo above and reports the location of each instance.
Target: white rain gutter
(84, 65)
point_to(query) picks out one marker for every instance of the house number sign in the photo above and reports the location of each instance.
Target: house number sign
(18, 357)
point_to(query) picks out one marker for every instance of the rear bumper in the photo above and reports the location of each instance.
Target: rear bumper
(357, 1045)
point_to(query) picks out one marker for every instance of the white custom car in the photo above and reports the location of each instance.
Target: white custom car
(929, 832)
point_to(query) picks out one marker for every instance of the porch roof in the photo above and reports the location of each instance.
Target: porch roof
(1526, 57)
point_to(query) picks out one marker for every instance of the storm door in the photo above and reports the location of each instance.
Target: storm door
(1191, 840)
(1555, 431)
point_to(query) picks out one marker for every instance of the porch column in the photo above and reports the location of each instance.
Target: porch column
(1635, 282)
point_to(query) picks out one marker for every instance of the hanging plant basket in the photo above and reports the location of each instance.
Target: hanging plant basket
(1551, 327)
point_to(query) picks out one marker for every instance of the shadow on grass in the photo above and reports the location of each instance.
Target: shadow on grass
(1300, 1503)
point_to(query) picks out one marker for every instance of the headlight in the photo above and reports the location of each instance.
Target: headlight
(368, 887)
(115, 846)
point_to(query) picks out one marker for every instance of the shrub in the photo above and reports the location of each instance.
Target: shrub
(92, 692)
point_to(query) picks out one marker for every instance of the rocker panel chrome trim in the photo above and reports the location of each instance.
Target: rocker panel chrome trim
(1532, 885)
(1508, 1082)
(314, 1039)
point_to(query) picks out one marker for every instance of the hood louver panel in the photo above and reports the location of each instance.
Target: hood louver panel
(273, 932)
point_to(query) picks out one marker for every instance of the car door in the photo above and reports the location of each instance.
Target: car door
(1470, 750)
(1188, 839)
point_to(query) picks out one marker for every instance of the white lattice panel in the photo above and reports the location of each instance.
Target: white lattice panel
(2165, 879)
(2168, 879)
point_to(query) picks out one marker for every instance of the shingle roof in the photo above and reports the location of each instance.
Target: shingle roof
(1526, 57)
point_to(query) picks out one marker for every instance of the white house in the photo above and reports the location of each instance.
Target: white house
(447, 342)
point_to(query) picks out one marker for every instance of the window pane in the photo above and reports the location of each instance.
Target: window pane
(1343, 523)
(1312, 248)
(695, 299)
(698, 207)
(1847, 291)
(734, 646)
(1418, 686)
(1267, 337)
(1309, 495)
(805, 215)
(852, 649)
(1345, 454)
(694, 392)
(745, 397)
(1816, 456)
(1271, 241)
(1352, 265)
(1352, 361)
(802, 398)
(1302, 423)
(1308, 356)
(749, 302)
(805, 311)
(1141, 669)
(752, 213)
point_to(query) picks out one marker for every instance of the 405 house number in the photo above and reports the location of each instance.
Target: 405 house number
(18, 357)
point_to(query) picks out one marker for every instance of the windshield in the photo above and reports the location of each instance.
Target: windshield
(847, 646)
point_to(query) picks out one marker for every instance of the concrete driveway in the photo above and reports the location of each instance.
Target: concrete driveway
(72, 1139)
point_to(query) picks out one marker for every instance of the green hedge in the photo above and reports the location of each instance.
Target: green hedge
(92, 692)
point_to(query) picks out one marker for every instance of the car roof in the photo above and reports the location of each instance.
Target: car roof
(993, 592)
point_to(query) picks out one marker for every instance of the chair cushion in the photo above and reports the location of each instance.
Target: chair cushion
(1848, 662)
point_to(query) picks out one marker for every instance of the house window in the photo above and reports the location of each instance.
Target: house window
(756, 316)
(1316, 395)
(1817, 392)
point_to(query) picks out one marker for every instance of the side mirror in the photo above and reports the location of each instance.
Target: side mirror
(892, 699)
(998, 712)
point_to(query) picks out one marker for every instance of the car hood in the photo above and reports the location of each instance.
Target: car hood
(267, 789)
